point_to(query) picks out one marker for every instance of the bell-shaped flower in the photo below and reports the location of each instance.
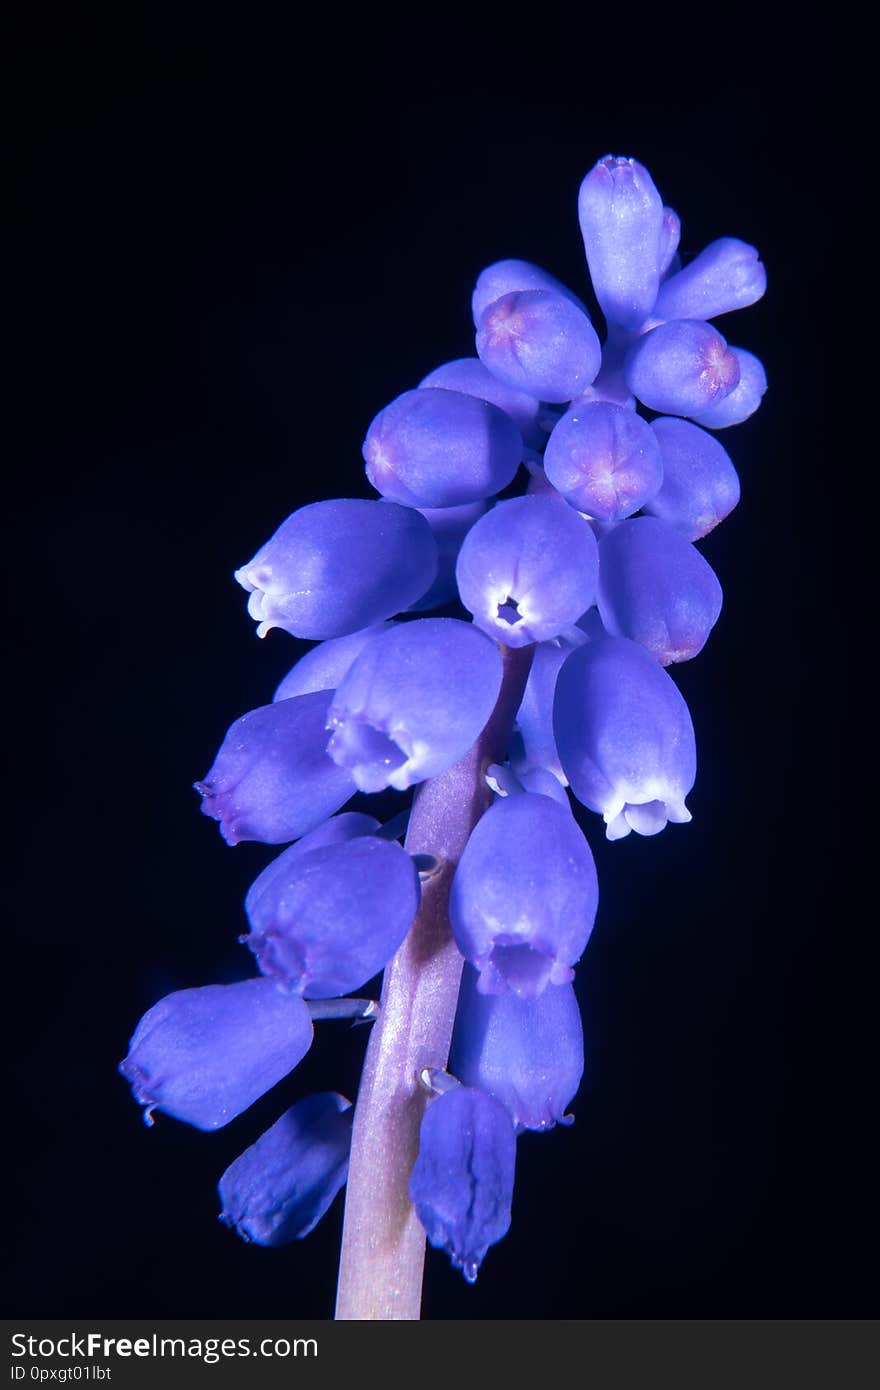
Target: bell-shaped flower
(626, 238)
(604, 460)
(437, 448)
(726, 275)
(506, 277)
(527, 1053)
(700, 484)
(681, 368)
(272, 779)
(338, 566)
(279, 1188)
(462, 1181)
(539, 342)
(205, 1055)
(524, 896)
(656, 588)
(527, 569)
(324, 666)
(450, 525)
(625, 737)
(742, 401)
(413, 702)
(326, 920)
(468, 374)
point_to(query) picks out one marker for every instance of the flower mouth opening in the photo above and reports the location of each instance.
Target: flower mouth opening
(508, 612)
(519, 967)
(370, 753)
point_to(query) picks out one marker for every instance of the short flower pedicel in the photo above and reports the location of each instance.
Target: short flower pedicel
(542, 691)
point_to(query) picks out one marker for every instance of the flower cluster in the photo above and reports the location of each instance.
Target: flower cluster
(590, 565)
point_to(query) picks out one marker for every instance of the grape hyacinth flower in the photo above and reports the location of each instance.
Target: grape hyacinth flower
(178, 1059)
(392, 724)
(527, 570)
(530, 494)
(524, 896)
(440, 448)
(700, 484)
(462, 1181)
(279, 1188)
(335, 567)
(273, 779)
(625, 737)
(604, 460)
(526, 1053)
(539, 342)
(655, 587)
(325, 920)
(681, 368)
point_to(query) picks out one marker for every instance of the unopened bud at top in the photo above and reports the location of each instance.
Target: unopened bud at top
(625, 238)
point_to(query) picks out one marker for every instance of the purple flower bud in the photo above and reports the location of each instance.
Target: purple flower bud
(507, 277)
(727, 275)
(467, 374)
(624, 736)
(743, 400)
(527, 1053)
(657, 589)
(324, 666)
(436, 448)
(450, 525)
(524, 896)
(681, 368)
(335, 567)
(413, 702)
(670, 235)
(604, 460)
(700, 484)
(625, 238)
(205, 1055)
(534, 718)
(462, 1181)
(527, 569)
(279, 1188)
(326, 920)
(272, 779)
(539, 342)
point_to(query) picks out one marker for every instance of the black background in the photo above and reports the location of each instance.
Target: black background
(232, 242)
